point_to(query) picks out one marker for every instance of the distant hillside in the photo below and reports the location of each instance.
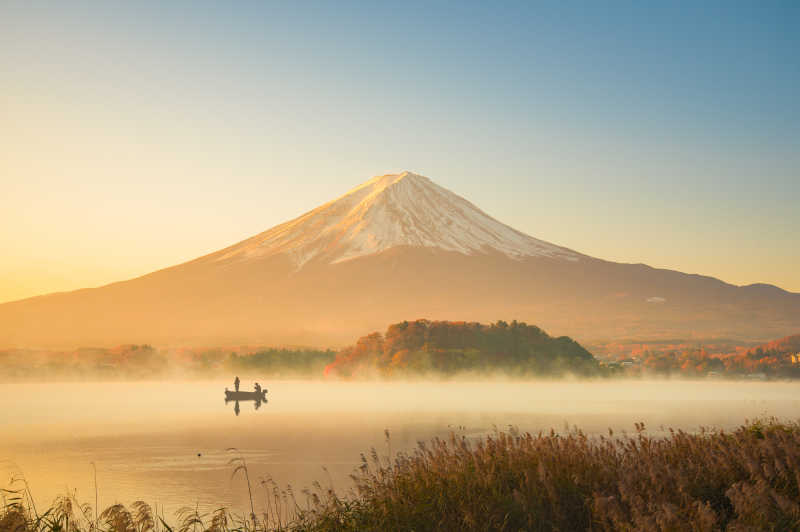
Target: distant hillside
(778, 359)
(790, 345)
(449, 347)
(395, 246)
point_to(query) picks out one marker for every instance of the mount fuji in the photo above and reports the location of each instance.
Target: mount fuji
(388, 211)
(396, 247)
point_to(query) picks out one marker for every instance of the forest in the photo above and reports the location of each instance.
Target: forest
(778, 359)
(145, 362)
(446, 348)
(411, 349)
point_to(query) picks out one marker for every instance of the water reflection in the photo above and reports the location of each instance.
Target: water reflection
(258, 396)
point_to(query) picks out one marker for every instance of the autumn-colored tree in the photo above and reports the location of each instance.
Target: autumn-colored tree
(451, 347)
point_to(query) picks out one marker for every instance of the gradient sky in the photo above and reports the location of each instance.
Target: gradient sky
(135, 136)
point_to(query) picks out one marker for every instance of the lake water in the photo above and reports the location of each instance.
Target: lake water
(165, 442)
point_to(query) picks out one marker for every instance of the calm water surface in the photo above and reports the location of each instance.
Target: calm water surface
(165, 442)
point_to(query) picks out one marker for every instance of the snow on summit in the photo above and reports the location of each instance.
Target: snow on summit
(392, 210)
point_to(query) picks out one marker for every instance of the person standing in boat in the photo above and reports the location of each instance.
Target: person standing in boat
(236, 383)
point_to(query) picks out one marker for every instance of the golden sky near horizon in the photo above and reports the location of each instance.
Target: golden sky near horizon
(134, 138)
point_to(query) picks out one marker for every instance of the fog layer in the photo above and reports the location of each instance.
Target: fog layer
(165, 442)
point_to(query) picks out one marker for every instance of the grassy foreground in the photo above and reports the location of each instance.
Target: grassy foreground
(748, 479)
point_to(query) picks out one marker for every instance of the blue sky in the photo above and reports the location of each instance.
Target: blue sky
(140, 135)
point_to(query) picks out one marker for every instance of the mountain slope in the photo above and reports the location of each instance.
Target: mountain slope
(391, 210)
(396, 248)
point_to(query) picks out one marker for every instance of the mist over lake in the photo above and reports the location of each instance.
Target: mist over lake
(165, 442)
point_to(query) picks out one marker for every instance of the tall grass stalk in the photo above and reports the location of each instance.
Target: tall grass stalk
(96, 503)
(241, 465)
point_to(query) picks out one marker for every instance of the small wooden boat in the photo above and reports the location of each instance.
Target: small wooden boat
(232, 395)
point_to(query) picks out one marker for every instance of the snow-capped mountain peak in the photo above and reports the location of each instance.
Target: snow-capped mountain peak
(391, 210)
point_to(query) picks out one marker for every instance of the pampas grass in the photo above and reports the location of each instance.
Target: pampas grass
(747, 479)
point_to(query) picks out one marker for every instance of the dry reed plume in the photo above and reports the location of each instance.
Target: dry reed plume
(748, 479)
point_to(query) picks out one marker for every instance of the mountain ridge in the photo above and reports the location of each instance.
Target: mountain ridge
(392, 249)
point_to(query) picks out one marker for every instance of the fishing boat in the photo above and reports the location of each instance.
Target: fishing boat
(232, 395)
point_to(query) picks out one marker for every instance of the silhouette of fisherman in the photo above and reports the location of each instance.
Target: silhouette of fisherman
(258, 390)
(236, 383)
